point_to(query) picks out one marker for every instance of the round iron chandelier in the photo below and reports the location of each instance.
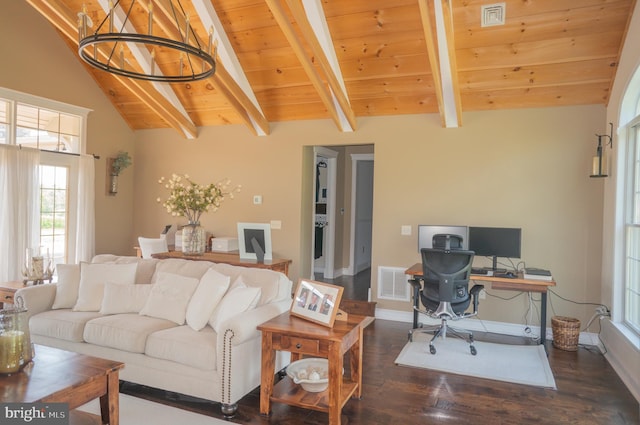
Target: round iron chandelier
(104, 48)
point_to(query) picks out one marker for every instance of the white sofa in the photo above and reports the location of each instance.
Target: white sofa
(134, 323)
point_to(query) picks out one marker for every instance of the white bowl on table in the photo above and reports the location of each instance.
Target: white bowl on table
(312, 373)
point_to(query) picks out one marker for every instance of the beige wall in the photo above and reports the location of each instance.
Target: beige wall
(36, 61)
(524, 168)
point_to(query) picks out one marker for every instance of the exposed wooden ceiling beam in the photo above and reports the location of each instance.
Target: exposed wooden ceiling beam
(313, 25)
(65, 21)
(229, 77)
(335, 109)
(438, 32)
(144, 59)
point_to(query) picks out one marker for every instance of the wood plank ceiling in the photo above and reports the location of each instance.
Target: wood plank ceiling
(282, 60)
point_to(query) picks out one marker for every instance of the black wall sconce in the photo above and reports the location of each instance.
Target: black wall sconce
(600, 165)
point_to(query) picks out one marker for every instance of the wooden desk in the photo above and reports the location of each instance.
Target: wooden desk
(58, 376)
(278, 265)
(299, 336)
(502, 283)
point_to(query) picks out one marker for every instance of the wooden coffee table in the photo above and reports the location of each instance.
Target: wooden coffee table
(58, 376)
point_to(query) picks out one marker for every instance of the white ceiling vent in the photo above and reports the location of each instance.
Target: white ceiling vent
(493, 14)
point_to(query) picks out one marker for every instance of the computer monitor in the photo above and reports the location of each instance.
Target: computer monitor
(495, 242)
(427, 232)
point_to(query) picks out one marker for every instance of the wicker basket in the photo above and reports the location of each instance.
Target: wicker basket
(566, 332)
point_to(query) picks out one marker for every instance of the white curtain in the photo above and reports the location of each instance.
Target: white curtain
(85, 230)
(19, 208)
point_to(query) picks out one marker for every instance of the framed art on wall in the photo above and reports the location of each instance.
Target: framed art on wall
(316, 301)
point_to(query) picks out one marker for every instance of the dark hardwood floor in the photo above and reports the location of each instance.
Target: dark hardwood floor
(355, 287)
(589, 392)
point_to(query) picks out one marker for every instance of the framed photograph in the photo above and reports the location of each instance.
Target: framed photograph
(254, 241)
(316, 301)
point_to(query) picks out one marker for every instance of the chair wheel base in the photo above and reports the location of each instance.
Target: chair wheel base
(432, 349)
(473, 350)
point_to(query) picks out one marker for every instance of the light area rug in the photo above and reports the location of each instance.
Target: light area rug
(137, 411)
(520, 364)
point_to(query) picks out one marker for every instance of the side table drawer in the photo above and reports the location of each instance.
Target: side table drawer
(6, 296)
(296, 345)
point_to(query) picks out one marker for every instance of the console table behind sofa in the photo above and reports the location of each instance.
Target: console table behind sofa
(277, 264)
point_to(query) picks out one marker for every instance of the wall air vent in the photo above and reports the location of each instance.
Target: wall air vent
(393, 284)
(493, 14)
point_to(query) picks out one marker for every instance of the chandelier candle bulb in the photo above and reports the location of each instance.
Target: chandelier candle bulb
(186, 32)
(110, 16)
(150, 18)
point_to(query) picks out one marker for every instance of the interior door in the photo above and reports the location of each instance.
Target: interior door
(363, 215)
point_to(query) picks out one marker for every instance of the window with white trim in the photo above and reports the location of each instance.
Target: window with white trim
(55, 129)
(632, 233)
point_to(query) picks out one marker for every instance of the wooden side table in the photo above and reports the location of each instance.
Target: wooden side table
(301, 337)
(8, 290)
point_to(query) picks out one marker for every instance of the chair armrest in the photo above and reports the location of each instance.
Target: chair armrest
(476, 290)
(415, 283)
(244, 326)
(475, 293)
(37, 298)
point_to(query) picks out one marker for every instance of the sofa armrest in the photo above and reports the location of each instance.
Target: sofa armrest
(37, 298)
(244, 326)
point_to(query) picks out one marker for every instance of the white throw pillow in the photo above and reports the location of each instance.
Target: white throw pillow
(169, 297)
(236, 301)
(67, 286)
(94, 276)
(120, 299)
(205, 299)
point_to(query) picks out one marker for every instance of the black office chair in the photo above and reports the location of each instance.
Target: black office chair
(444, 289)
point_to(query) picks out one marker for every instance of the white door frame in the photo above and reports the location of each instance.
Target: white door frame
(352, 242)
(332, 163)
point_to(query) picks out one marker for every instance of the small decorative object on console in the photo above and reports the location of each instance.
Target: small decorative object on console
(190, 199)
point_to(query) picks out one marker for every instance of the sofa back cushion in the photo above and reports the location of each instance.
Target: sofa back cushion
(274, 286)
(205, 299)
(67, 286)
(93, 278)
(189, 268)
(169, 297)
(237, 300)
(144, 272)
(120, 299)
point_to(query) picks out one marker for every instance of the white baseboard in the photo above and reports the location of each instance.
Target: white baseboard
(477, 325)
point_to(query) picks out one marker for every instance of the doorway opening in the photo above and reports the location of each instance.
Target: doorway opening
(342, 218)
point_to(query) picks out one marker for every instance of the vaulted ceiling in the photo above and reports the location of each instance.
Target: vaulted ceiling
(282, 60)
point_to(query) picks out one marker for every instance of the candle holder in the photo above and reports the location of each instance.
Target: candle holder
(37, 267)
(16, 350)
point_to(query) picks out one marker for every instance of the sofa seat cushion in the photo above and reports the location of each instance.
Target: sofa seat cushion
(127, 332)
(62, 324)
(183, 345)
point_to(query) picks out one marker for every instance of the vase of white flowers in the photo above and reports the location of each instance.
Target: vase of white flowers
(189, 199)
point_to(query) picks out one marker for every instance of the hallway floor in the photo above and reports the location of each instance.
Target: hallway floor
(355, 287)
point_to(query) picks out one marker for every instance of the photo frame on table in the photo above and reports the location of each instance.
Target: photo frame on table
(316, 301)
(254, 241)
